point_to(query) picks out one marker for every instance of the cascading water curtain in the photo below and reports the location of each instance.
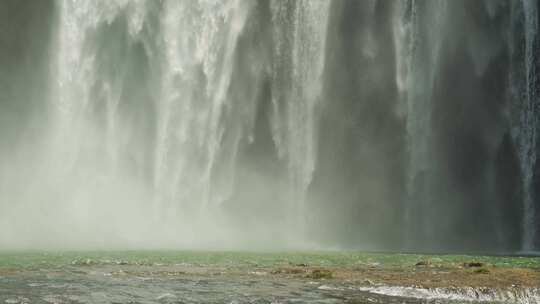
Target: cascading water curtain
(299, 56)
(527, 98)
(188, 121)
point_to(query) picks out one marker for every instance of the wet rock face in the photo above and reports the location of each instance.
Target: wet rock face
(26, 34)
(473, 264)
(442, 146)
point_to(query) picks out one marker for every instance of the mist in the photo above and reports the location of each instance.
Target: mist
(268, 125)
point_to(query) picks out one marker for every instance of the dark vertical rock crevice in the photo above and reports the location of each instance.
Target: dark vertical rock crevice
(358, 180)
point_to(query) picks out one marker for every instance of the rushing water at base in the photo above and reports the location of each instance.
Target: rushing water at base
(203, 290)
(100, 287)
(186, 283)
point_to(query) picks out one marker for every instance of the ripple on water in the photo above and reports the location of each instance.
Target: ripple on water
(37, 284)
(327, 287)
(54, 299)
(17, 300)
(166, 296)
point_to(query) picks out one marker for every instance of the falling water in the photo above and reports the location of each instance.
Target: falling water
(200, 127)
(217, 122)
(417, 53)
(199, 39)
(76, 75)
(299, 60)
(526, 129)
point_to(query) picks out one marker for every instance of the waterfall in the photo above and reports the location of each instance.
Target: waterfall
(190, 54)
(199, 39)
(198, 123)
(299, 54)
(77, 74)
(530, 120)
(417, 59)
(191, 122)
(406, 35)
(525, 129)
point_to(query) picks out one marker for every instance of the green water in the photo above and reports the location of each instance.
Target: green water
(32, 259)
(203, 277)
